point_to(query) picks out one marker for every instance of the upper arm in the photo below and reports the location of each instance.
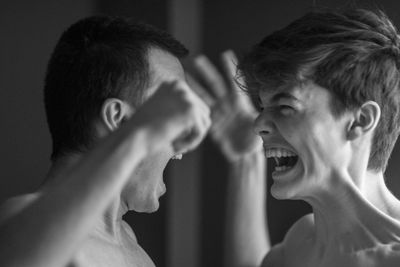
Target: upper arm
(15, 205)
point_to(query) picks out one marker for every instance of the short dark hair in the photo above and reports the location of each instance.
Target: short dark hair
(97, 58)
(353, 53)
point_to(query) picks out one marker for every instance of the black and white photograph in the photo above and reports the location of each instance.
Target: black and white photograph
(200, 133)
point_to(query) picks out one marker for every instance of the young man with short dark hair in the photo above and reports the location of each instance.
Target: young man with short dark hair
(118, 108)
(109, 150)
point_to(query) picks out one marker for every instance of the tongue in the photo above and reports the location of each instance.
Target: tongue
(282, 161)
(285, 161)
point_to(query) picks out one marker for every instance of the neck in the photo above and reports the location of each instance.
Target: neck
(110, 222)
(352, 216)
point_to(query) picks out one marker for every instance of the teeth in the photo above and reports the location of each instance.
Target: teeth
(179, 156)
(278, 152)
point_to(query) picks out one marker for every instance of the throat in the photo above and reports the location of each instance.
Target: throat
(111, 221)
(351, 222)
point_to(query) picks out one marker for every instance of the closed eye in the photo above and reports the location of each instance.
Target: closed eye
(286, 109)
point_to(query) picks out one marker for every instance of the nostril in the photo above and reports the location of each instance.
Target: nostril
(263, 125)
(264, 132)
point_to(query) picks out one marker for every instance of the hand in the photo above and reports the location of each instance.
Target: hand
(174, 116)
(232, 112)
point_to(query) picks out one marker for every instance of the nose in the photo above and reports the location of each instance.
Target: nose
(263, 125)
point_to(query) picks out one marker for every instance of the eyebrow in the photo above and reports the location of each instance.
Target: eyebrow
(282, 95)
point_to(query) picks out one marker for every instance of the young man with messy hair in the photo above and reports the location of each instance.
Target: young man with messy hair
(327, 86)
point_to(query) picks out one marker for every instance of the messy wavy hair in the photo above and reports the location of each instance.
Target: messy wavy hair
(354, 54)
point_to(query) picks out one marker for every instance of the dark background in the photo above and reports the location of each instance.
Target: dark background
(29, 31)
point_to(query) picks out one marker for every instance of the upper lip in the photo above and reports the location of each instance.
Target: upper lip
(277, 144)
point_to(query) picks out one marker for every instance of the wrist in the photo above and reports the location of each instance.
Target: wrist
(245, 156)
(249, 167)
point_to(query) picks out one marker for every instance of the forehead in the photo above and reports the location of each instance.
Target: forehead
(307, 92)
(163, 66)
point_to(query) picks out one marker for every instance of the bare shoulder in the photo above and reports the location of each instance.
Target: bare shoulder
(301, 230)
(14, 205)
(275, 257)
(293, 245)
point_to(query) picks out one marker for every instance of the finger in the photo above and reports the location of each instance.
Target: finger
(210, 75)
(245, 102)
(197, 100)
(189, 141)
(205, 110)
(199, 90)
(229, 63)
(201, 125)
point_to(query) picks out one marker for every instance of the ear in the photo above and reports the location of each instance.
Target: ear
(365, 121)
(114, 112)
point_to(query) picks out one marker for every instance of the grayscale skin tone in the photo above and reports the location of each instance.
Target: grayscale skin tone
(94, 233)
(75, 219)
(247, 239)
(355, 219)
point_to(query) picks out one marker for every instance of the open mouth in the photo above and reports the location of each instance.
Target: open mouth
(280, 159)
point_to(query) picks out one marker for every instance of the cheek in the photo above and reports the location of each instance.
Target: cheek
(324, 141)
(148, 175)
(310, 136)
(152, 165)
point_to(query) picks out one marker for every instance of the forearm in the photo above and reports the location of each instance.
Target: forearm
(247, 238)
(47, 232)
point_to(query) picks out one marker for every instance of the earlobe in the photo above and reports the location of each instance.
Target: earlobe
(365, 121)
(114, 111)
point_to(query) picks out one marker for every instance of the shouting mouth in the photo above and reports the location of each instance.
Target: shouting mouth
(282, 160)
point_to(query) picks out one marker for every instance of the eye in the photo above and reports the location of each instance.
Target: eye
(286, 109)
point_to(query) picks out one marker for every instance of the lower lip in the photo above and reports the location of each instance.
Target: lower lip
(281, 173)
(285, 173)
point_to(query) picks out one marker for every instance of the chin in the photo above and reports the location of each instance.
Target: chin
(285, 190)
(152, 208)
(278, 192)
(148, 207)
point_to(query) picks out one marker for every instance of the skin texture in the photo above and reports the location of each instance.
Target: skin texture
(105, 239)
(246, 237)
(356, 218)
(85, 228)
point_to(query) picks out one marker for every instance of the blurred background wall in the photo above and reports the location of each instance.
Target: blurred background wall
(188, 229)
